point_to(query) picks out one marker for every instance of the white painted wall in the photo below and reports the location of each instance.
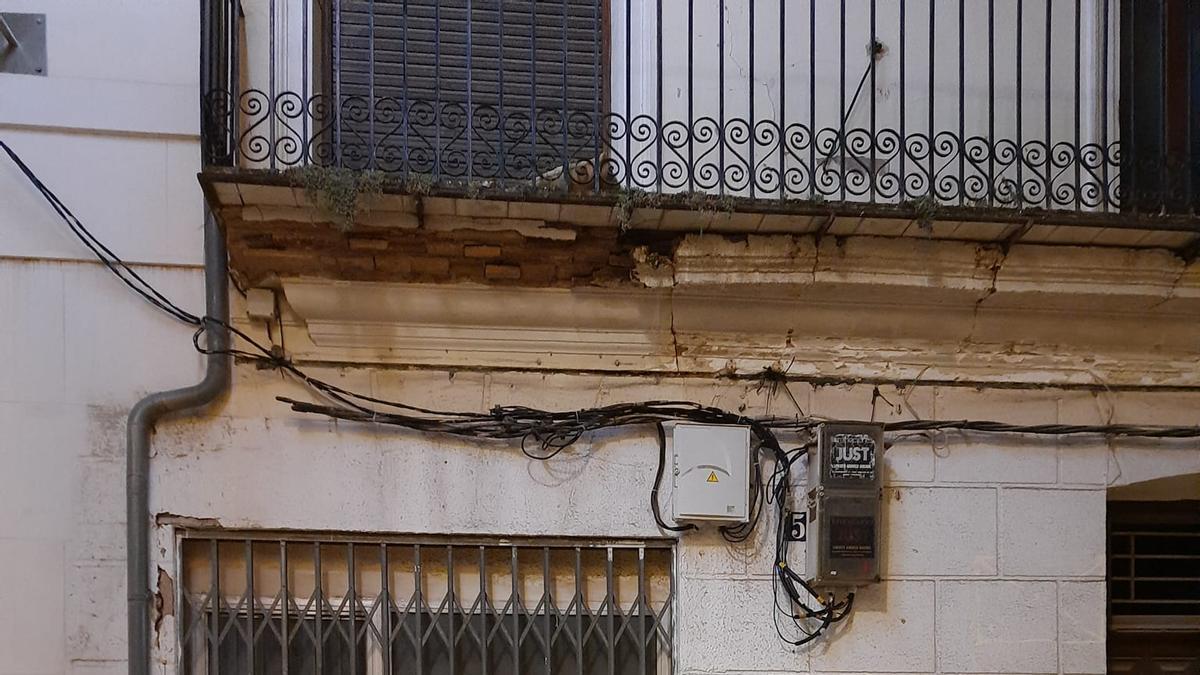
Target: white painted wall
(112, 128)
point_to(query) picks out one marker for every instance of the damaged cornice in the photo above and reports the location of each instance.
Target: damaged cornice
(855, 308)
(1016, 276)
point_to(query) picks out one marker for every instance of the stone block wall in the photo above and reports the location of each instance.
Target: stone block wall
(994, 545)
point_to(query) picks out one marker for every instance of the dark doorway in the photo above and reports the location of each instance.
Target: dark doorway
(1160, 105)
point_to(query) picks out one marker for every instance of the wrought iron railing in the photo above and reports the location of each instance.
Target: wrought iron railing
(1084, 105)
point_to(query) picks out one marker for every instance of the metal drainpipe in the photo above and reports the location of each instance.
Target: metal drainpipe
(142, 418)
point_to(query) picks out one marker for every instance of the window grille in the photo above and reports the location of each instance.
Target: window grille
(1154, 587)
(1154, 568)
(325, 605)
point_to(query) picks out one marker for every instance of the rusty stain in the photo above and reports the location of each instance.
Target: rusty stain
(164, 601)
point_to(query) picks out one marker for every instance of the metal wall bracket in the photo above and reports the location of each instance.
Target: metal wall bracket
(22, 43)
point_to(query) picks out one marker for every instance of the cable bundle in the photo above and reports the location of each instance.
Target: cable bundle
(544, 434)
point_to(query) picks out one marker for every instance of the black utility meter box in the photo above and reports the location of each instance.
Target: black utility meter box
(844, 500)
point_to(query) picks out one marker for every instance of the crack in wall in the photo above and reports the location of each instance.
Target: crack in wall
(675, 346)
(1170, 294)
(816, 257)
(996, 264)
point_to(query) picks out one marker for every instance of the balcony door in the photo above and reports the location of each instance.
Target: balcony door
(1160, 105)
(487, 91)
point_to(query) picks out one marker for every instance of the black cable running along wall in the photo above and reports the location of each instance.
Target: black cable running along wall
(436, 84)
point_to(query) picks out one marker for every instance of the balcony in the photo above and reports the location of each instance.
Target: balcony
(1054, 111)
(701, 186)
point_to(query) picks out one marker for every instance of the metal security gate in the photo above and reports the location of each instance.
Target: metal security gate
(331, 605)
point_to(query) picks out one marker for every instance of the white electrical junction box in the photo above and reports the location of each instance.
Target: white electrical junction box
(711, 469)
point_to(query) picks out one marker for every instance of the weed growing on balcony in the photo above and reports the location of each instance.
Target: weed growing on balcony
(709, 206)
(418, 184)
(925, 209)
(342, 194)
(630, 199)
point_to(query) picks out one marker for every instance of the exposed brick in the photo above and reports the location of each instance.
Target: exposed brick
(431, 267)
(485, 236)
(414, 247)
(444, 248)
(260, 240)
(611, 274)
(482, 251)
(356, 267)
(394, 268)
(536, 273)
(502, 272)
(599, 235)
(262, 249)
(543, 253)
(592, 256)
(464, 269)
(581, 269)
(367, 244)
(621, 260)
(258, 265)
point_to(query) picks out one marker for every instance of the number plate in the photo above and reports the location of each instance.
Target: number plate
(798, 528)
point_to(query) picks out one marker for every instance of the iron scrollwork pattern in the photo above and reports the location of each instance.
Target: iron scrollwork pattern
(765, 159)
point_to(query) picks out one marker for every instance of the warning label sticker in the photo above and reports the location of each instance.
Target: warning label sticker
(712, 477)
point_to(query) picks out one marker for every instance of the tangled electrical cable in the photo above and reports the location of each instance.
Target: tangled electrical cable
(544, 434)
(810, 622)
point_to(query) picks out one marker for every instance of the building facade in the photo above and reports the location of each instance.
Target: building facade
(886, 211)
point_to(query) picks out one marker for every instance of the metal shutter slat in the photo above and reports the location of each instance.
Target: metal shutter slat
(423, 58)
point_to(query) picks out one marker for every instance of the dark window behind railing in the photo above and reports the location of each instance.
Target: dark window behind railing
(1084, 105)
